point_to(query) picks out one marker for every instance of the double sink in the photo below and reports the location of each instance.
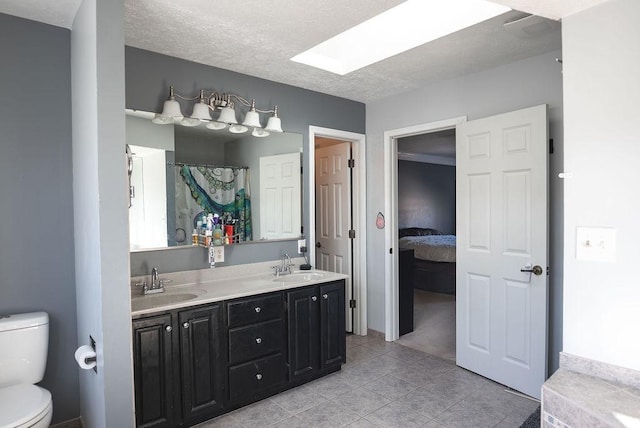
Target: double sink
(185, 295)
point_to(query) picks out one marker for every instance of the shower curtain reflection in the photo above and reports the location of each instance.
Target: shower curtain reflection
(204, 189)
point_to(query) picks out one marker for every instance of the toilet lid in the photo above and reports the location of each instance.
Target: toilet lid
(21, 403)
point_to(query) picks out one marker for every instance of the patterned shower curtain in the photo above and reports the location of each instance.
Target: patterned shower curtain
(222, 191)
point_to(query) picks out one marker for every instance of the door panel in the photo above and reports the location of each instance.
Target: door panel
(333, 214)
(501, 187)
(280, 192)
(201, 358)
(153, 371)
(303, 332)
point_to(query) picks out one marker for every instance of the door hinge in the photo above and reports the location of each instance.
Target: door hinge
(551, 148)
(351, 163)
(352, 234)
(301, 170)
(352, 303)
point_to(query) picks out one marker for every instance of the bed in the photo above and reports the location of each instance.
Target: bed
(434, 264)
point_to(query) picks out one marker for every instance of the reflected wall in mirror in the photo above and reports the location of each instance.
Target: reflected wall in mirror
(180, 173)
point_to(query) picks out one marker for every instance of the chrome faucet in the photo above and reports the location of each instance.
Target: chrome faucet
(157, 284)
(285, 266)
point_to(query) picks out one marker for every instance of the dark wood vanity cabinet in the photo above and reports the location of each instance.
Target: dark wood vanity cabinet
(178, 366)
(201, 362)
(316, 321)
(196, 363)
(153, 362)
(257, 334)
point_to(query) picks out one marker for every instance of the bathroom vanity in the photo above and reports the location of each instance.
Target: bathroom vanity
(208, 346)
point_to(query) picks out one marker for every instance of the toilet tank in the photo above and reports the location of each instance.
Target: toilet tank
(24, 341)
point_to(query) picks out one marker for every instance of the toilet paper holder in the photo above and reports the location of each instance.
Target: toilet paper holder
(88, 360)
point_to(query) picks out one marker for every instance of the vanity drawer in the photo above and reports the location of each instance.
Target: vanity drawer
(255, 376)
(251, 342)
(254, 309)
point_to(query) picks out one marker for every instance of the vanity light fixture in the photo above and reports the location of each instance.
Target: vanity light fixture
(210, 101)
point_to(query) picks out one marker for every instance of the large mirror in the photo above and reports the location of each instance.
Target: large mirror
(181, 174)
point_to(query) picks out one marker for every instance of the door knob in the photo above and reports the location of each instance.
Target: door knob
(168, 328)
(185, 325)
(318, 244)
(536, 270)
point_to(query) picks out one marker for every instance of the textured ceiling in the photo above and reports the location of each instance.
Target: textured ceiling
(258, 38)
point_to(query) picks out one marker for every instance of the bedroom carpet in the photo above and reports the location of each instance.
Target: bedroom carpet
(434, 323)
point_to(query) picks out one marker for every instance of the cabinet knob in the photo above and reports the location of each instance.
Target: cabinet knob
(314, 298)
(168, 328)
(325, 296)
(258, 340)
(259, 376)
(185, 325)
(257, 308)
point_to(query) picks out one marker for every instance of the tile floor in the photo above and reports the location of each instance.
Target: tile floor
(386, 384)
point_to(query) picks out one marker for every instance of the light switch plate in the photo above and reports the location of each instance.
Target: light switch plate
(301, 243)
(218, 254)
(596, 244)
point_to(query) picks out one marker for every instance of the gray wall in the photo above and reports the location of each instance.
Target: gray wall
(148, 76)
(427, 196)
(602, 150)
(100, 212)
(533, 81)
(36, 255)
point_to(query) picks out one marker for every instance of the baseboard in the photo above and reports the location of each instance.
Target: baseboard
(72, 423)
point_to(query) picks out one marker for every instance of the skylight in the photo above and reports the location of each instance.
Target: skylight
(410, 24)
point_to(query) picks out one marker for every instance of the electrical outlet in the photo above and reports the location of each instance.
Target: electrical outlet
(301, 243)
(218, 254)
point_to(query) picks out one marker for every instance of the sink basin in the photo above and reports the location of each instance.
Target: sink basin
(300, 277)
(164, 299)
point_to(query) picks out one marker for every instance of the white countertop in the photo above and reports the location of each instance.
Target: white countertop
(191, 288)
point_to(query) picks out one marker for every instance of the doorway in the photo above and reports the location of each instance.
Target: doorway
(502, 242)
(426, 213)
(356, 293)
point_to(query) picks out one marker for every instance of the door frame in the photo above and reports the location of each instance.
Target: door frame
(391, 208)
(359, 274)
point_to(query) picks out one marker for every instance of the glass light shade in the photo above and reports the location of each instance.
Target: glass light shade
(259, 132)
(201, 112)
(190, 121)
(237, 129)
(227, 115)
(172, 109)
(159, 119)
(215, 125)
(252, 119)
(274, 124)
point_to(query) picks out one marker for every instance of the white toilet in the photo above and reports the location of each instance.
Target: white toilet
(24, 340)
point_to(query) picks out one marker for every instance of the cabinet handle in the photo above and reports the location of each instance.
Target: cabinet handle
(259, 376)
(257, 308)
(168, 328)
(325, 296)
(314, 298)
(258, 340)
(185, 325)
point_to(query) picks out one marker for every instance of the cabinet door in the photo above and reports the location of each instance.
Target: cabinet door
(303, 320)
(202, 362)
(152, 368)
(332, 334)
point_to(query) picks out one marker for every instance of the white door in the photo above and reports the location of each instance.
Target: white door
(333, 215)
(501, 186)
(280, 216)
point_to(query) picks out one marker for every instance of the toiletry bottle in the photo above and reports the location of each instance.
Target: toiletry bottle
(194, 237)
